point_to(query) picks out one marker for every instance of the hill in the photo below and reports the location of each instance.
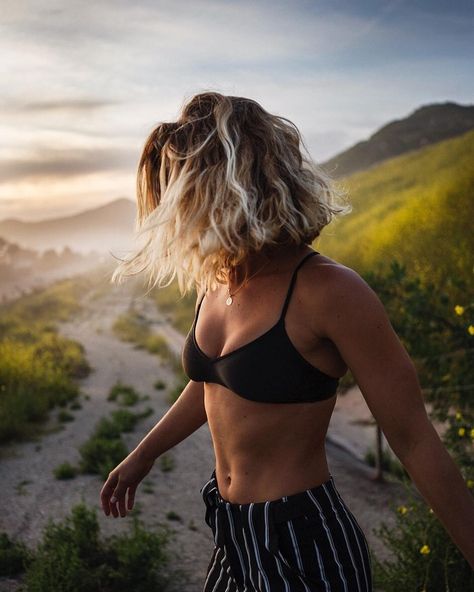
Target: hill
(426, 125)
(107, 227)
(417, 207)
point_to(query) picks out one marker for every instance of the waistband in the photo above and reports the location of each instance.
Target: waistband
(315, 500)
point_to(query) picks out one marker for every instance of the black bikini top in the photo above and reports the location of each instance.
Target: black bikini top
(269, 369)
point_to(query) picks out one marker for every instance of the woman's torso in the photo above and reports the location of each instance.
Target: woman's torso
(266, 450)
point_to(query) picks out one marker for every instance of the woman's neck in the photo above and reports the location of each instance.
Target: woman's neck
(270, 260)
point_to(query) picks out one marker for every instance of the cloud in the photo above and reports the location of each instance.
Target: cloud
(60, 163)
(82, 84)
(72, 105)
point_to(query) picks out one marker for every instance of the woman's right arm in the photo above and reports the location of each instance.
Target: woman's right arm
(185, 416)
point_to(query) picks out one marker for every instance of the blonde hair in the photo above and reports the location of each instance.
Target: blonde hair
(225, 179)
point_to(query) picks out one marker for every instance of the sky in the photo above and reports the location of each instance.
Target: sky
(83, 83)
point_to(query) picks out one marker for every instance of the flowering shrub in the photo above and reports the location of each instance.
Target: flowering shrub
(436, 326)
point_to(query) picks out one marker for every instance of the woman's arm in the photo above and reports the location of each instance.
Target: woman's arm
(182, 419)
(185, 416)
(348, 312)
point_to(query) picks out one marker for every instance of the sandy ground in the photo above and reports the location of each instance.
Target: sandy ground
(32, 494)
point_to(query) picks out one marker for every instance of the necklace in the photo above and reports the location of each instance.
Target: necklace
(229, 295)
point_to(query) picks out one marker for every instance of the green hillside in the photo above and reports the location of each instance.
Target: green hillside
(417, 207)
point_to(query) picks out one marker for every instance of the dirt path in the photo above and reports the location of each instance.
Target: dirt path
(32, 494)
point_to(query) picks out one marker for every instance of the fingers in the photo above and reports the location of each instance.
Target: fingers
(106, 493)
(131, 497)
(119, 495)
(113, 498)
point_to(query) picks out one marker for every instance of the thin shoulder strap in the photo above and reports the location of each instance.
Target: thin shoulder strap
(199, 307)
(292, 283)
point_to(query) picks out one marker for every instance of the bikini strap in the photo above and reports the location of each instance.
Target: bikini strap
(292, 282)
(198, 308)
(288, 295)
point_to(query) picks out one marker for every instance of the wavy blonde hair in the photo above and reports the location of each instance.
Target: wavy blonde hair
(227, 178)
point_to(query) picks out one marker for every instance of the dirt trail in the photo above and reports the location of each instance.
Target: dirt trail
(32, 494)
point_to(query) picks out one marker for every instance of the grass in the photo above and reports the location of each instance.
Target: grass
(65, 471)
(167, 462)
(65, 416)
(73, 556)
(410, 206)
(389, 464)
(147, 487)
(38, 366)
(105, 449)
(182, 381)
(123, 394)
(178, 309)
(101, 455)
(133, 327)
(20, 487)
(14, 556)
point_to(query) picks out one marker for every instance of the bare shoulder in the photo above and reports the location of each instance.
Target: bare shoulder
(336, 290)
(347, 311)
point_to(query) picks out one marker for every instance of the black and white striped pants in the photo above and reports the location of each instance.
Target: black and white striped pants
(309, 542)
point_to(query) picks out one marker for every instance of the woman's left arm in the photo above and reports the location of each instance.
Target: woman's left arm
(349, 313)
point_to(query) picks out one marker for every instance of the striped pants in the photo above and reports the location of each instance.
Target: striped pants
(309, 542)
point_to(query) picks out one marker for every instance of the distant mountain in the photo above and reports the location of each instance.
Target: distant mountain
(107, 227)
(426, 125)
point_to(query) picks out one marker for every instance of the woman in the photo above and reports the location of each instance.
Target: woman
(229, 203)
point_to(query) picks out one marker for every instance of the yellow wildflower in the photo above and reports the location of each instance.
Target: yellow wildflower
(472, 432)
(462, 431)
(458, 309)
(470, 483)
(424, 550)
(402, 509)
(431, 510)
(458, 415)
(470, 329)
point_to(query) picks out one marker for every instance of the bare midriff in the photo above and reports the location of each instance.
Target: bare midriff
(266, 450)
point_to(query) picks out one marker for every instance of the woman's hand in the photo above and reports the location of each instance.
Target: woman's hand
(125, 477)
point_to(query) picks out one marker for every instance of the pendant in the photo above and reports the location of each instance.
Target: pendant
(229, 301)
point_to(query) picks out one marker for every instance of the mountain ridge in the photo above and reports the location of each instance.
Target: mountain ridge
(426, 125)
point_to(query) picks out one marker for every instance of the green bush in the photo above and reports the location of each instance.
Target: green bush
(73, 557)
(123, 394)
(181, 383)
(157, 344)
(437, 332)
(134, 327)
(105, 448)
(425, 557)
(65, 471)
(14, 556)
(166, 462)
(101, 455)
(38, 367)
(389, 464)
(30, 386)
(126, 421)
(65, 416)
